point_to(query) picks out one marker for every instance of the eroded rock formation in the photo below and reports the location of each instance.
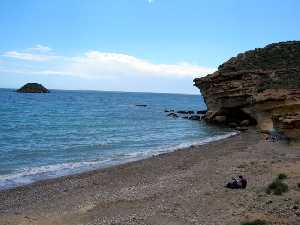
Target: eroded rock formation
(33, 88)
(261, 85)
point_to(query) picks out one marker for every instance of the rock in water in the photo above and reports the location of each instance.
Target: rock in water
(261, 85)
(172, 115)
(141, 105)
(33, 88)
(195, 117)
(201, 111)
(182, 112)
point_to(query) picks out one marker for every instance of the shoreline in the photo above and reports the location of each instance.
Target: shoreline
(99, 165)
(180, 187)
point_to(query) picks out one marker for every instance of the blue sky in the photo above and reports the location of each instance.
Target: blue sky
(133, 45)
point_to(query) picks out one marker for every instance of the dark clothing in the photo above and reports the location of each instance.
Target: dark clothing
(243, 183)
(233, 185)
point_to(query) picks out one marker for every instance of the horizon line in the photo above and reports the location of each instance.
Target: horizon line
(120, 91)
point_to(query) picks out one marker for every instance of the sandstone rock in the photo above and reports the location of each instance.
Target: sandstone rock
(33, 88)
(261, 85)
(289, 124)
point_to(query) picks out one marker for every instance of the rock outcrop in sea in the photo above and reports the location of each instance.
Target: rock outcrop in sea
(261, 86)
(33, 88)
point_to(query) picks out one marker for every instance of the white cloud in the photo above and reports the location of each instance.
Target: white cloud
(24, 71)
(37, 53)
(150, 1)
(41, 48)
(29, 56)
(101, 71)
(97, 65)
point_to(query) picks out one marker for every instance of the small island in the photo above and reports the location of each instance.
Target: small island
(33, 88)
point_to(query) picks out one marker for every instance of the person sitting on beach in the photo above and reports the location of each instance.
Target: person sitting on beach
(235, 184)
(243, 182)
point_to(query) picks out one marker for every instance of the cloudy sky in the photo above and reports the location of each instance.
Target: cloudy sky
(133, 45)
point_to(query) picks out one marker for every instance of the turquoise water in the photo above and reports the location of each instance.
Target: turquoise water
(49, 135)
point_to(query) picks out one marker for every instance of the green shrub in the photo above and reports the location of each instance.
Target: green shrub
(255, 222)
(282, 176)
(295, 207)
(277, 187)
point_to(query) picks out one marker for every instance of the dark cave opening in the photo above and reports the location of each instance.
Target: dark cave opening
(237, 115)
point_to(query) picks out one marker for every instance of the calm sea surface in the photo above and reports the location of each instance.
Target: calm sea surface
(49, 135)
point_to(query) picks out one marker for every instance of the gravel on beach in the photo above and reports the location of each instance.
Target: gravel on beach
(183, 187)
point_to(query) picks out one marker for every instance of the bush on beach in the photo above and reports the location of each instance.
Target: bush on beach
(282, 176)
(277, 187)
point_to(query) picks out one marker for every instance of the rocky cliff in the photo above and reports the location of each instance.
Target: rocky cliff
(33, 88)
(261, 85)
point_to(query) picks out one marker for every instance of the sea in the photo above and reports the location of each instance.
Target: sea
(45, 136)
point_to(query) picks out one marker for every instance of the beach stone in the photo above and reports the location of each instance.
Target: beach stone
(245, 123)
(242, 128)
(232, 124)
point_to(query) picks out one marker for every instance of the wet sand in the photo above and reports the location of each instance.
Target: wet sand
(182, 187)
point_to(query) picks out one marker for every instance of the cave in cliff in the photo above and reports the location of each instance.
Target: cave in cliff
(237, 115)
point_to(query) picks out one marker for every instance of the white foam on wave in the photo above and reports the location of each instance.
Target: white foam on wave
(30, 175)
(195, 143)
(209, 139)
